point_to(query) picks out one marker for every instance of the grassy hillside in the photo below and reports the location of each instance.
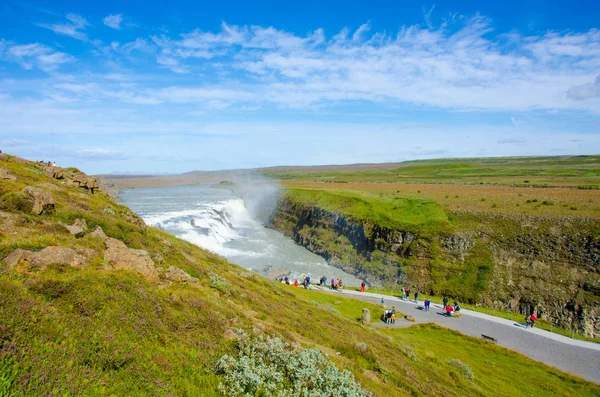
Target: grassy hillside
(98, 328)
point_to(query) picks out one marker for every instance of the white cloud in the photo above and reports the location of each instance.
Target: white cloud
(113, 21)
(459, 65)
(585, 91)
(74, 28)
(33, 55)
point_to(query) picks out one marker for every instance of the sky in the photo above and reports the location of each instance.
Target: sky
(155, 87)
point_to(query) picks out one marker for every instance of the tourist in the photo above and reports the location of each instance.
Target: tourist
(307, 282)
(407, 293)
(445, 301)
(456, 307)
(340, 283)
(393, 315)
(296, 283)
(332, 283)
(527, 321)
(427, 303)
(532, 320)
(416, 296)
(362, 287)
(449, 311)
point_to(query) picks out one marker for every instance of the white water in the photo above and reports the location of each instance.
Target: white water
(221, 222)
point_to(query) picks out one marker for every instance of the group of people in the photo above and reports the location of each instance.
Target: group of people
(405, 294)
(389, 316)
(48, 163)
(306, 282)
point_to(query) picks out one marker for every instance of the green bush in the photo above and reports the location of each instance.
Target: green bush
(219, 283)
(548, 202)
(268, 366)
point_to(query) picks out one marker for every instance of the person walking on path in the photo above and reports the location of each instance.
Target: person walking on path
(333, 283)
(362, 287)
(445, 301)
(532, 320)
(427, 303)
(416, 296)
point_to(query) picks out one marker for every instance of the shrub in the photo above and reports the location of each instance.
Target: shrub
(483, 199)
(548, 202)
(268, 366)
(219, 283)
(573, 208)
(494, 205)
(463, 369)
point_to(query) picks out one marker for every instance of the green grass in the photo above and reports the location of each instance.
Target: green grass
(393, 213)
(542, 172)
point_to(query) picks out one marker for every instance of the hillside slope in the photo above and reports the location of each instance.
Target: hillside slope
(94, 302)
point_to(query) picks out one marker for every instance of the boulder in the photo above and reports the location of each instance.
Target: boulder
(7, 176)
(81, 223)
(76, 231)
(178, 275)
(4, 157)
(365, 317)
(158, 258)
(99, 233)
(43, 203)
(23, 260)
(54, 172)
(120, 257)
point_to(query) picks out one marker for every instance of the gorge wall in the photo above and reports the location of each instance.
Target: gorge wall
(523, 263)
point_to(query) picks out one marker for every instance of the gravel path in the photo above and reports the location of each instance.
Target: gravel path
(569, 355)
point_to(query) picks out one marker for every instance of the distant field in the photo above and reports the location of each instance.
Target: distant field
(553, 186)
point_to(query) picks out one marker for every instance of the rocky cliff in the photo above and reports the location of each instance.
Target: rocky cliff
(523, 263)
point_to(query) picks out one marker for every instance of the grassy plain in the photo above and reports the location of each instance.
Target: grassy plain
(553, 186)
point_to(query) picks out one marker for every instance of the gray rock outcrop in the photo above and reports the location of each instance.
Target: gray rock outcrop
(43, 202)
(23, 260)
(178, 275)
(99, 233)
(119, 257)
(7, 176)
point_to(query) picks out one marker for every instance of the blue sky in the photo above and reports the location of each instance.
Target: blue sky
(142, 87)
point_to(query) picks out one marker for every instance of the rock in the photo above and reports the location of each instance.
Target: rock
(120, 257)
(7, 176)
(43, 203)
(178, 275)
(410, 318)
(365, 318)
(75, 229)
(81, 223)
(272, 271)
(54, 172)
(158, 258)
(24, 260)
(99, 233)
(4, 157)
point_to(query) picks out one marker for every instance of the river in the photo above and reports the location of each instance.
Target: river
(220, 221)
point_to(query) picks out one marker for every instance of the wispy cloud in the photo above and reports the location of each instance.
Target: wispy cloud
(113, 21)
(74, 28)
(33, 55)
(460, 65)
